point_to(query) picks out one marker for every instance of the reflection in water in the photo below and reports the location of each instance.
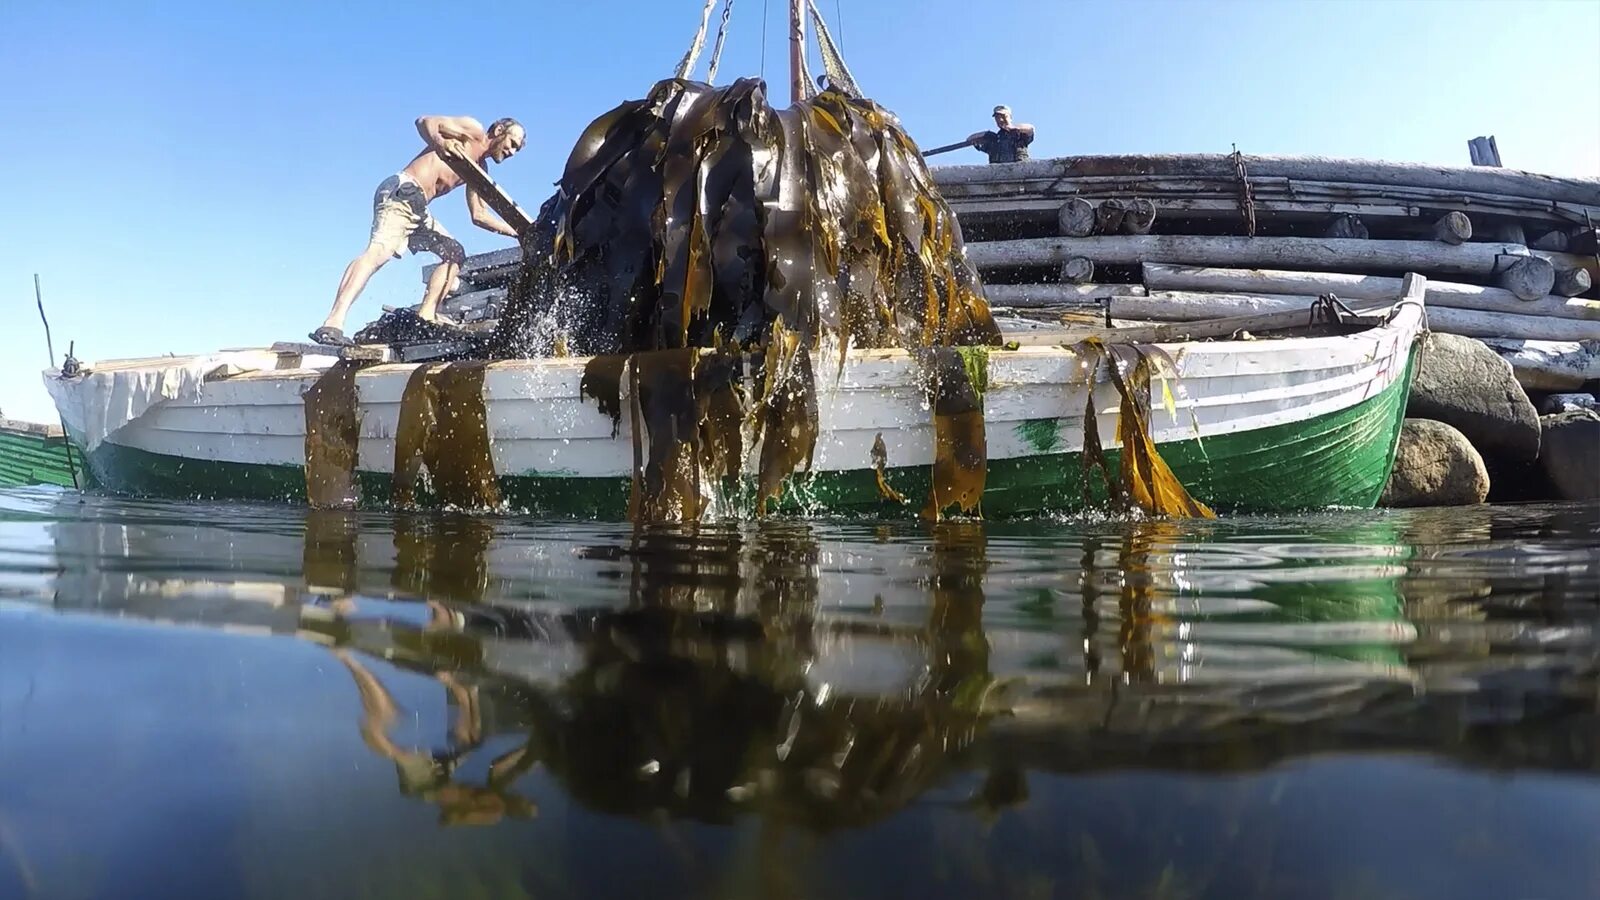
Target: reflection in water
(828, 681)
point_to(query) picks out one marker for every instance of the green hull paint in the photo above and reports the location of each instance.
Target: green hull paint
(28, 458)
(1338, 460)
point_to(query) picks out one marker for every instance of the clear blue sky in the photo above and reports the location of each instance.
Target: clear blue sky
(188, 176)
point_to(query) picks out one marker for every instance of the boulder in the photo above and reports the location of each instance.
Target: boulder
(1570, 453)
(1435, 466)
(1560, 403)
(1464, 384)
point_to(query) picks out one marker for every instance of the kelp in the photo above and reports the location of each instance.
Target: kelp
(333, 432)
(699, 226)
(1144, 480)
(444, 428)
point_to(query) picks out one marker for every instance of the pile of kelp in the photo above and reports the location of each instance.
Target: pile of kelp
(703, 244)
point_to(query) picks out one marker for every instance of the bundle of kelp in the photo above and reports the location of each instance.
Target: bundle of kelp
(700, 216)
(703, 244)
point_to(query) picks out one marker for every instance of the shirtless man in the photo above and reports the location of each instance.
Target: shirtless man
(1008, 143)
(400, 217)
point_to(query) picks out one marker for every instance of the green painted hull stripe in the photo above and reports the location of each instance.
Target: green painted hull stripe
(1338, 460)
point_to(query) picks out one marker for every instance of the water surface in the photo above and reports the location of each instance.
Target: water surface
(260, 701)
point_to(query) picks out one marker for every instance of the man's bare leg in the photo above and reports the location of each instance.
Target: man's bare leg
(437, 283)
(354, 281)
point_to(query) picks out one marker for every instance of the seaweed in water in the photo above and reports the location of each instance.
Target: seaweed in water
(701, 217)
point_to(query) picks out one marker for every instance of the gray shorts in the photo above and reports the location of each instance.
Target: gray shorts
(401, 221)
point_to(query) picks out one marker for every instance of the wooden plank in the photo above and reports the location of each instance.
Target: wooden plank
(479, 182)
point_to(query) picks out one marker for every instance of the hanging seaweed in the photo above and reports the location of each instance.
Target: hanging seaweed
(701, 217)
(1144, 480)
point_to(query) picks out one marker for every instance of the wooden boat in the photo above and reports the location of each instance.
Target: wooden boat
(31, 454)
(1246, 424)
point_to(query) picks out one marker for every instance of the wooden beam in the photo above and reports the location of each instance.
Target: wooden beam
(1529, 277)
(479, 182)
(1477, 260)
(1179, 306)
(1026, 296)
(1163, 277)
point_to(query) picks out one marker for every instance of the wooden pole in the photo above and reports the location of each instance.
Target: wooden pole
(1162, 277)
(1140, 216)
(1076, 218)
(1572, 282)
(1032, 296)
(1453, 228)
(1508, 182)
(1182, 306)
(1428, 257)
(1108, 217)
(1529, 277)
(1077, 270)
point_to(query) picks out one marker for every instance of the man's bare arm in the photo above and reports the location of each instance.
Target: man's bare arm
(484, 217)
(450, 134)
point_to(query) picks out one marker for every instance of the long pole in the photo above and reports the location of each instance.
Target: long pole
(38, 298)
(797, 52)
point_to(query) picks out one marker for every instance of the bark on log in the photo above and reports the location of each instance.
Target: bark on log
(1076, 218)
(1529, 277)
(1140, 217)
(1026, 296)
(1347, 227)
(1427, 257)
(1453, 228)
(1077, 270)
(1163, 277)
(1550, 365)
(1108, 216)
(1181, 306)
(1571, 282)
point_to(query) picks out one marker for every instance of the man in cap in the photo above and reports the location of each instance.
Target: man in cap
(1008, 143)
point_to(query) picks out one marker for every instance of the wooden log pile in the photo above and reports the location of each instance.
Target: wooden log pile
(1510, 256)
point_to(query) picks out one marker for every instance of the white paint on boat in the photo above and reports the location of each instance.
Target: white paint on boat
(539, 425)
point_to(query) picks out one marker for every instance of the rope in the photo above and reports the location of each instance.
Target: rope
(838, 16)
(722, 37)
(686, 65)
(764, 17)
(832, 61)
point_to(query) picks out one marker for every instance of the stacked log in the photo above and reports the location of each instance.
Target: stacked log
(1510, 259)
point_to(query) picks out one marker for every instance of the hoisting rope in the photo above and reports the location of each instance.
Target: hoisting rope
(686, 65)
(832, 60)
(722, 37)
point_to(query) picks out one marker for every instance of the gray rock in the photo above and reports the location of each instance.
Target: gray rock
(1464, 384)
(1560, 403)
(1435, 466)
(1570, 454)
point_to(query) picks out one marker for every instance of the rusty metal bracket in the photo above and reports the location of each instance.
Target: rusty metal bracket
(1247, 199)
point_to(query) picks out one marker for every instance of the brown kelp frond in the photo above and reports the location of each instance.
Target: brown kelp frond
(1144, 480)
(701, 217)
